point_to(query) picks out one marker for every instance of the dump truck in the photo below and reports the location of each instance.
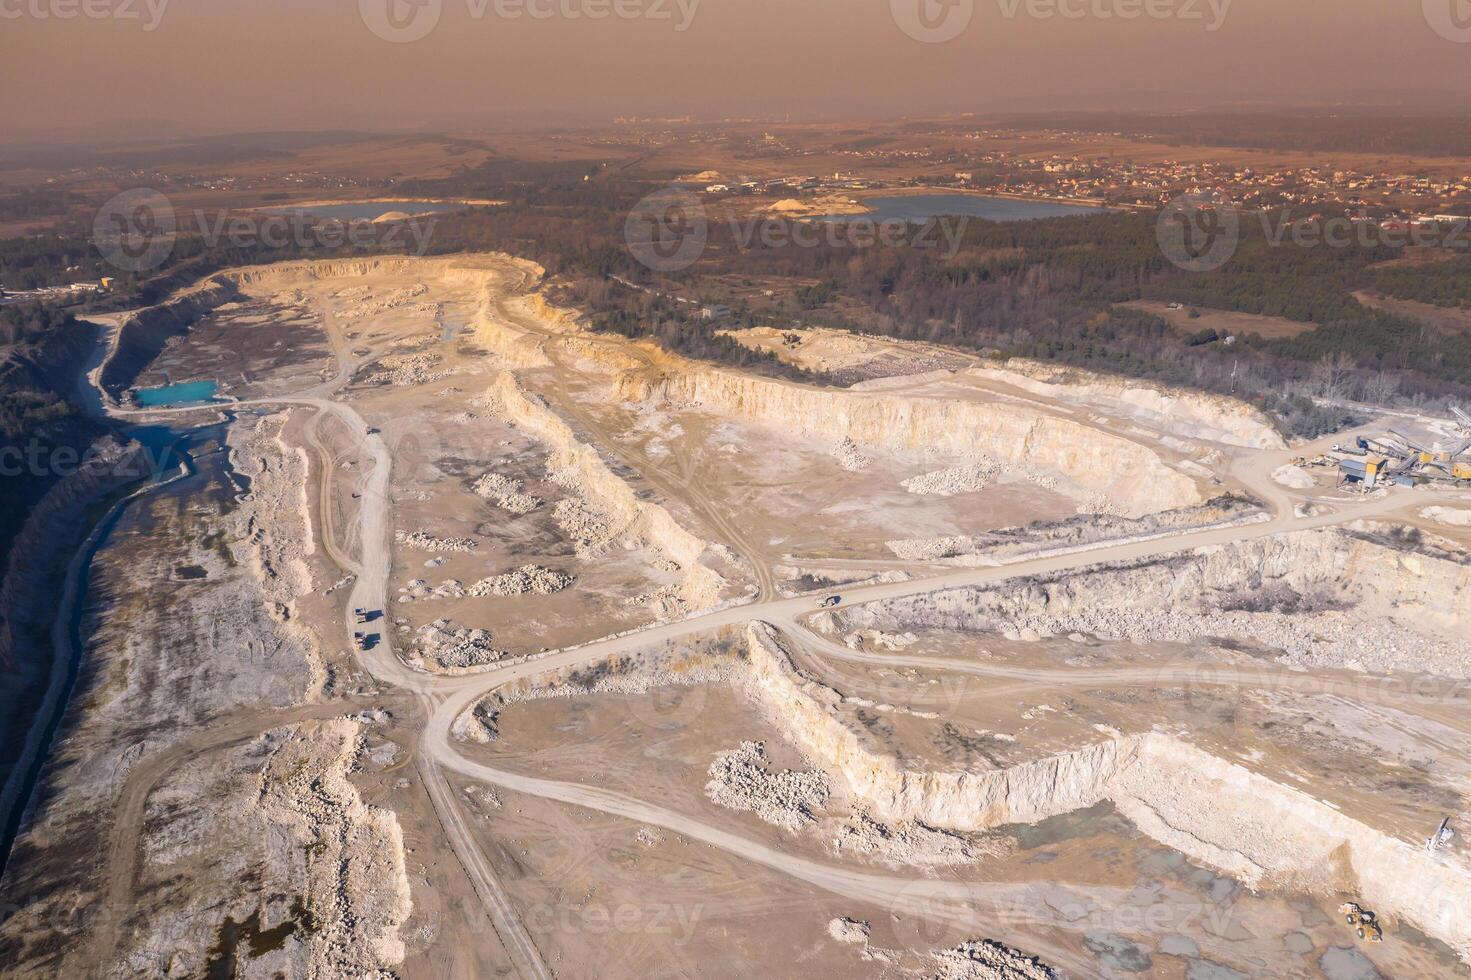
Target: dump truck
(1364, 922)
(828, 602)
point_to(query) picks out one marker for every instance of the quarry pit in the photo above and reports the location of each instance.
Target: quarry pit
(947, 667)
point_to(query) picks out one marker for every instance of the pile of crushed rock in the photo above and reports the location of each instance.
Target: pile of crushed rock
(986, 959)
(526, 580)
(743, 779)
(449, 647)
(909, 846)
(1331, 638)
(427, 542)
(506, 493)
(587, 527)
(850, 457)
(407, 370)
(961, 479)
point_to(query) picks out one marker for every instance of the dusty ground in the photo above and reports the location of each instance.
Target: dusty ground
(1079, 740)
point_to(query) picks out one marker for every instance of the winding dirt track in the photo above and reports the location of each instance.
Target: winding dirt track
(445, 698)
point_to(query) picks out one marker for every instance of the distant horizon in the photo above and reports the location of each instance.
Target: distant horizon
(122, 131)
(211, 67)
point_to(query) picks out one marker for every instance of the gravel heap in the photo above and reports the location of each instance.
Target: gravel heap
(850, 457)
(588, 528)
(407, 370)
(848, 930)
(913, 845)
(743, 780)
(961, 479)
(506, 493)
(985, 959)
(427, 542)
(450, 647)
(523, 581)
(1329, 639)
(394, 300)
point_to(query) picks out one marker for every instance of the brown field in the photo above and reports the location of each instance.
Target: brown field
(1223, 321)
(1439, 317)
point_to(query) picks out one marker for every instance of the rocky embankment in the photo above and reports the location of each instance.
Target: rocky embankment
(1132, 478)
(1074, 533)
(580, 467)
(143, 336)
(1360, 598)
(1218, 813)
(1190, 414)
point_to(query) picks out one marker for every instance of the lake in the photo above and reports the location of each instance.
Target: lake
(922, 207)
(367, 210)
(184, 393)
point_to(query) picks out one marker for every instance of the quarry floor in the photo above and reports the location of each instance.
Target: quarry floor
(583, 840)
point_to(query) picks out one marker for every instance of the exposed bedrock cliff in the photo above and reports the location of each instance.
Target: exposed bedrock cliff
(1216, 812)
(1129, 475)
(1197, 414)
(142, 336)
(1316, 595)
(579, 465)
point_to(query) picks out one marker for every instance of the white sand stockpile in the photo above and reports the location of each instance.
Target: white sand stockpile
(1294, 477)
(1452, 516)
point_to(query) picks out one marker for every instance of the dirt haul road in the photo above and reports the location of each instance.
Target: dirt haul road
(445, 698)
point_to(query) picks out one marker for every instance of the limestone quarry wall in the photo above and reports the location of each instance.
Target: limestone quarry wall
(1215, 812)
(1132, 477)
(969, 801)
(1195, 413)
(1266, 833)
(1419, 588)
(701, 585)
(142, 336)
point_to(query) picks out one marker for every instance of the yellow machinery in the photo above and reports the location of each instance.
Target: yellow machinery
(1365, 923)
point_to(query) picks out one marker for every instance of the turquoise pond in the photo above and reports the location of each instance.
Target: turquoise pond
(184, 393)
(922, 207)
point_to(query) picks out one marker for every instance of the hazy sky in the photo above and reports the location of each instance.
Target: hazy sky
(231, 64)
